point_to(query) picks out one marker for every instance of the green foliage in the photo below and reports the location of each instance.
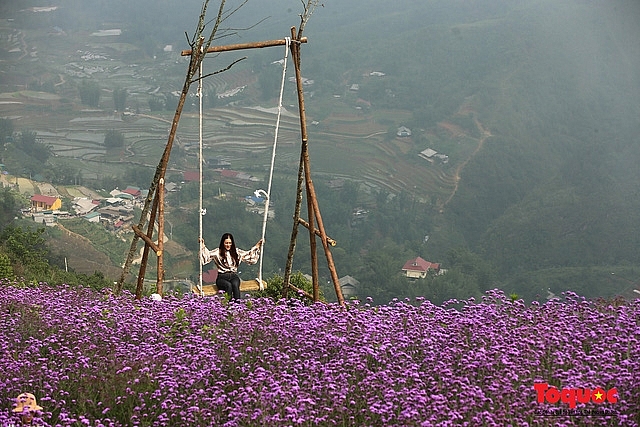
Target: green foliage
(27, 252)
(6, 269)
(26, 155)
(120, 98)
(138, 176)
(472, 265)
(275, 288)
(28, 142)
(6, 130)
(113, 139)
(24, 254)
(62, 171)
(90, 93)
(10, 204)
(156, 103)
(101, 239)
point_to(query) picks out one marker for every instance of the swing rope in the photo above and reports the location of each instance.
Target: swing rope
(201, 211)
(273, 159)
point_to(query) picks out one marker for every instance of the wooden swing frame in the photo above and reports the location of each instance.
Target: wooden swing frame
(314, 224)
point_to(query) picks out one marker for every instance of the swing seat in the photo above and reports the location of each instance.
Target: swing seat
(245, 286)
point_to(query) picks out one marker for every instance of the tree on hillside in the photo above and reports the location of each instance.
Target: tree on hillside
(138, 176)
(113, 139)
(6, 130)
(28, 142)
(156, 103)
(90, 93)
(10, 204)
(26, 250)
(120, 98)
(63, 173)
(6, 270)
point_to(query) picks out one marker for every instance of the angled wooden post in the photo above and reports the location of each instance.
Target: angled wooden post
(161, 169)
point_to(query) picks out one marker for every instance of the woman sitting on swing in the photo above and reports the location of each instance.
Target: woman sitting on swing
(227, 259)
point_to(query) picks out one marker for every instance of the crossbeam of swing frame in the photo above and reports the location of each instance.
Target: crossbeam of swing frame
(243, 46)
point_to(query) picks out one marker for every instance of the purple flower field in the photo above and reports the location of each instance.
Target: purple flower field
(95, 359)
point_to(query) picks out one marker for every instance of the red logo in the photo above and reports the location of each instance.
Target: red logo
(572, 396)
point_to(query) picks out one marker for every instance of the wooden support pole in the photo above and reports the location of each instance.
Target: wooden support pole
(145, 238)
(160, 251)
(301, 291)
(305, 224)
(295, 56)
(147, 246)
(161, 169)
(312, 203)
(242, 46)
(294, 230)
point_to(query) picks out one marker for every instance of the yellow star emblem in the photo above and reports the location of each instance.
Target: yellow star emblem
(598, 395)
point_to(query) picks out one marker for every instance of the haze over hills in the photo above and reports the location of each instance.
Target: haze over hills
(536, 103)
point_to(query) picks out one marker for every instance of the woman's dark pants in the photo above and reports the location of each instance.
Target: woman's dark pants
(230, 283)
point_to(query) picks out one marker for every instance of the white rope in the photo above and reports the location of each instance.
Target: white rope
(273, 159)
(201, 211)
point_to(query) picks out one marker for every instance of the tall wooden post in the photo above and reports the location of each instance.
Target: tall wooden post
(313, 210)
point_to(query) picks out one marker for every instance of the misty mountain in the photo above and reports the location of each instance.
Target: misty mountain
(555, 84)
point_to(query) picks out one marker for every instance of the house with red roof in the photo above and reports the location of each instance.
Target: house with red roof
(134, 191)
(226, 173)
(209, 277)
(191, 176)
(417, 268)
(40, 202)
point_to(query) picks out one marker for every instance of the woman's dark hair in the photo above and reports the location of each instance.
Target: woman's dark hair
(234, 252)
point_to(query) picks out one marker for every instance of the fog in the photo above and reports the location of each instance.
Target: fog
(535, 104)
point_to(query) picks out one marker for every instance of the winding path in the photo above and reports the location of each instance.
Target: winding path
(484, 134)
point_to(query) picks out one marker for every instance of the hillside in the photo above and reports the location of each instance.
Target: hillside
(82, 256)
(534, 103)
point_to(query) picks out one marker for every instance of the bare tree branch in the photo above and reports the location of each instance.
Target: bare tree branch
(219, 71)
(309, 8)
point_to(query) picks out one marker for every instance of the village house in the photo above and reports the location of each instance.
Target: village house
(417, 268)
(191, 176)
(44, 218)
(92, 217)
(40, 202)
(349, 286)
(84, 205)
(403, 132)
(430, 155)
(134, 191)
(209, 277)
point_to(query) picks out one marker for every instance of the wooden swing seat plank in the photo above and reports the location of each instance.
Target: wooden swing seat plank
(245, 286)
